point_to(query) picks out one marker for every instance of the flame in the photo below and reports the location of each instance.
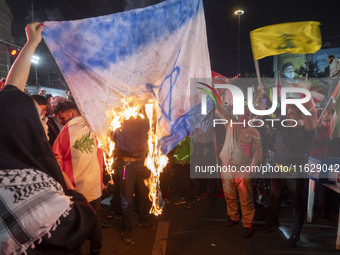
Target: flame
(155, 160)
(108, 156)
(128, 110)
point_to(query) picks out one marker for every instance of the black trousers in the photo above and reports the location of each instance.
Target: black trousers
(182, 179)
(95, 236)
(133, 174)
(295, 188)
(328, 198)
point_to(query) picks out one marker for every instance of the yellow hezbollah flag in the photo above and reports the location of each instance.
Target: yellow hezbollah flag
(294, 37)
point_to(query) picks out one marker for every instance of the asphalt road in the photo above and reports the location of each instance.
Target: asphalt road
(200, 230)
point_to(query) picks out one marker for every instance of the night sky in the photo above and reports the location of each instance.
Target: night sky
(222, 24)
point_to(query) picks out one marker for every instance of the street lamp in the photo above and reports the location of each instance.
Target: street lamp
(35, 61)
(239, 12)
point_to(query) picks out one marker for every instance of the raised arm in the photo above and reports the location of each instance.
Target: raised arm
(19, 72)
(310, 122)
(256, 148)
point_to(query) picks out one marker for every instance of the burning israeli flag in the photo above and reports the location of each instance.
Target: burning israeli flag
(148, 53)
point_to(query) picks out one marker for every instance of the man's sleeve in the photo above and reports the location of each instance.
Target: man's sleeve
(334, 68)
(337, 64)
(60, 147)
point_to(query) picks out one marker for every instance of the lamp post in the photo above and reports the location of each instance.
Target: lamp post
(35, 61)
(239, 13)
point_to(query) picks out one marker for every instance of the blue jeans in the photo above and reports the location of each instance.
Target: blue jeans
(134, 175)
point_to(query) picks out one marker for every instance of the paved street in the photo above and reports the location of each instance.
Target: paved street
(200, 230)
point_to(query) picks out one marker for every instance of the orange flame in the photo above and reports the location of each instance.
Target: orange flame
(155, 161)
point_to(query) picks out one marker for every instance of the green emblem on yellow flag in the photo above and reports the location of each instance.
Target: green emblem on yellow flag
(295, 37)
(287, 42)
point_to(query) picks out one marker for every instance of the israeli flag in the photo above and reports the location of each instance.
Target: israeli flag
(147, 53)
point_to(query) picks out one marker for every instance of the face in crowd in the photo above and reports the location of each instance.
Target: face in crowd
(44, 109)
(289, 72)
(293, 113)
(66, 116)
(330, 59)
(327, 116)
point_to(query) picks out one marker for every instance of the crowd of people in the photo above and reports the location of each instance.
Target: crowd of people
(51, 167)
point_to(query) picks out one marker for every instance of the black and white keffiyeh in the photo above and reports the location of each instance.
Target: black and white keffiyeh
(31, 204)
(23, 143)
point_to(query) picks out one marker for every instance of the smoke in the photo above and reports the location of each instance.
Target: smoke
(54, 15)
(48, 12)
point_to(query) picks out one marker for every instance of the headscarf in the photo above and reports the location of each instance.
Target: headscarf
(23, 143)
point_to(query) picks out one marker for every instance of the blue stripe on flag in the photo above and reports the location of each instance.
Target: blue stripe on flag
(126, 33)
(149, 52)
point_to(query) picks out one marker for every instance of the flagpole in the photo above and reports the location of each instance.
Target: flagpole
(278, 83)
(214, 130)
(257, 68)
(215, 143)
(277, 78)
(214, 133)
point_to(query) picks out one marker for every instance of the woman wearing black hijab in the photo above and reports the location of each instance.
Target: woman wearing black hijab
(39, 214)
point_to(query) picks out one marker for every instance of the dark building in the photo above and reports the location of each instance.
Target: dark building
(6, 38)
